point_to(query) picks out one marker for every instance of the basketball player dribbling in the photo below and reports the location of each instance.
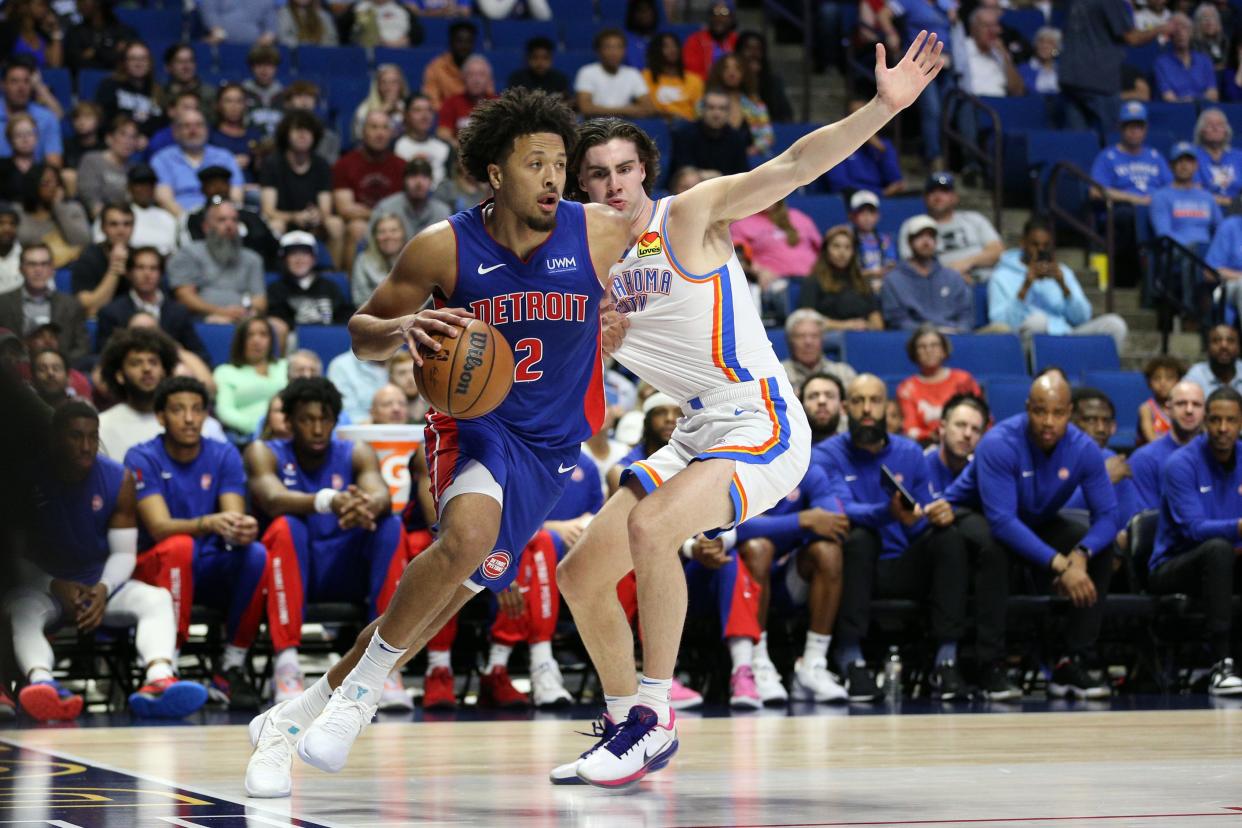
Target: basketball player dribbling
(532, 265)
(742, 445)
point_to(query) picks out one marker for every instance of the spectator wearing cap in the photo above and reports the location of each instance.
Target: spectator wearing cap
(442, 77)
(97, 273)
(539, 73)
(153, 225)
(922, 291)
(216, 185)
(217, 278)
(177, 167)
(874, 166)
(1184, 211)
(414, 205)
(1033, 293)
(1130, 170)
(711, 143)
(10, 248)
(986, 67)
(301, 297)
(1182, 74)
(37, 302)
(965, 240)
(1220, 165)
(877, 254)
(141, 293)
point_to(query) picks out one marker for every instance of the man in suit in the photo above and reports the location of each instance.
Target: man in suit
(142, 276)
(37, 303)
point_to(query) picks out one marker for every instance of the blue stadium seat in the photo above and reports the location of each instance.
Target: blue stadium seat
(436, 31)
(825, 210)
(1128, 390)
(877, 352)
(1025, 22)
(891, 381)
(779, 344)
(657, 128)
(88, 82)
(341, 280)
(1074, 354)
(1178, 118)
(896, 209)
(231, 62)
(411, 61)
(572, 60)
(1046, 147)
(1021, 113)
(988, 354)
(60, 82)
(981, 304)
(332, 62)
(513, 34)
(153, 23)
(784, 135)
(612, 12)
(573, 15)
(504, 63)
(1143, 57)
(327, 341)
(1006, 395)
(216, 339)
(63, 280)
(1233, 114)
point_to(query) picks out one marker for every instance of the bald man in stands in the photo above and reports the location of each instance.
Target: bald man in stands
(1025, 469)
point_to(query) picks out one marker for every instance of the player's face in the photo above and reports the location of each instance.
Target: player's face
(1049, 417)
(961, 430)
(311, 425)
(821, 399)
(532, 178)
(1186, 407)
(182, 418)
(612, 174)
(79, 443)
(141, 372)
(1095, 418)
(1224, 420)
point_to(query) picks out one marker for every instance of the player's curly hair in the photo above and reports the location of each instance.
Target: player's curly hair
(129, 340)
(602, 130)
(496, 125)
(179, 385)
(311, 390)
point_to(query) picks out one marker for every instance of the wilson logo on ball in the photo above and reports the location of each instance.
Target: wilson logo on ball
(474, 358)
(496, 564)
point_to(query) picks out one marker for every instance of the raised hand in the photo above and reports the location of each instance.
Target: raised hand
(901, 86)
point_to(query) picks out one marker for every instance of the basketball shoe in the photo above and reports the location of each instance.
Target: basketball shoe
(167, 698)
(326, 743)
(438, 691)
(496, 690)
(743, 695)
(1070, 678)
(548, 687)
(681, 697)
(393, 696)
(639, 744)
(268, 773)
(812, 682)
(602, 729)
(1224, 681)
(768, 682)
(233, 689)
(287, 683)
(47, 701)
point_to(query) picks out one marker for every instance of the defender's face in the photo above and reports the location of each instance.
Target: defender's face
(612, 174)
(532, 178)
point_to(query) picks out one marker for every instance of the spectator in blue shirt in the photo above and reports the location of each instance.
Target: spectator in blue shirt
(239, 21)
(874, 166)
(1225, 254)
(1200, 525)
(1024, 471)
(1220, 165)
(892, 550)
(177, 167)
(877, 253)
(1039, 74)
(921, 291)
(1131, 171)
(1184, 211)
(1185, 423)
(1183, 74)
(18, 88)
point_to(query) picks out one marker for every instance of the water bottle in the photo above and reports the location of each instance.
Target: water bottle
(892, 674)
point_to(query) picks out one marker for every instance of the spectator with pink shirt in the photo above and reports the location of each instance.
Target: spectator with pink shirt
(776, 245)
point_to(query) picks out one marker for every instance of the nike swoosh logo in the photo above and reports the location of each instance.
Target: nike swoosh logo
(1028, 474)
(483, 270)
(562, 469)
(1205, 489)
(850, 478)
(647, 757)
(166, 475)
(737, 411)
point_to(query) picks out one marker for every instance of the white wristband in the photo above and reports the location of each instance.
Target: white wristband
(323, 500)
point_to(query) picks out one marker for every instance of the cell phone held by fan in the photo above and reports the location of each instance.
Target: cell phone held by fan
(893, 486)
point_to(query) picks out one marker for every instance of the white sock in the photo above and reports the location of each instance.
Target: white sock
(619, 706)
(653, 693)
(306, 708)
(816, 649)
(540, 653)
(157, 670)
(499, 656)
(761, 648)
(742, 651)
(233, 657)
(287, 659)
(372, 670)
(439, 658)
(39, 674)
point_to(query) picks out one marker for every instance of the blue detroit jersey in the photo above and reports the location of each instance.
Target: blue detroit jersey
(74, 518)
(337, 472)
(189, 489)
(1202, 500)
(547, 307)
(1145, 466)
(940, 476)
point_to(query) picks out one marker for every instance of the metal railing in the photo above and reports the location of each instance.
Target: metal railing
(1106, 241)
(993, 162)
(1174, 268)
(806, 24)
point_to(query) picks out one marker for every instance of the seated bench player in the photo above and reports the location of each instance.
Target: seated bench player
(331, 535)
(1096, 416)
(78, 572)
(195, 538)
(1185, 408)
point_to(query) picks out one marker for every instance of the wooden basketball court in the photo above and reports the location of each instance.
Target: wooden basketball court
(1080, 768)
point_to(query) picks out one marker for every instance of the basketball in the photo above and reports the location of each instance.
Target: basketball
(470, 375)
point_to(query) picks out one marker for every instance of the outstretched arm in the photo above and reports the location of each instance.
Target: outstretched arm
(735, 197)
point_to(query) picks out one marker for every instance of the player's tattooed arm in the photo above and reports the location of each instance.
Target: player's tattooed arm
(266, 491)
(395, 314)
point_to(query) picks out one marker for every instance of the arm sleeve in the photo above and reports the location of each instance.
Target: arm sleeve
(1187, 511)
(210, 12)
(1102, 501)
(998, 478)
(147, 480)
(71, 218)
(122, 555)
(903, 247)
(1101, 170)
(256, 281)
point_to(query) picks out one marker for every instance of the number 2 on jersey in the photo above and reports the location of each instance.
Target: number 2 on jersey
(523, 371)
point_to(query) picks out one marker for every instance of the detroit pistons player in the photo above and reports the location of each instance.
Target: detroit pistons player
(743, 443)
(532, 265)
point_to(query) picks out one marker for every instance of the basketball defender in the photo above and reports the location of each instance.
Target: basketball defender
(740, 447)
(532, 265)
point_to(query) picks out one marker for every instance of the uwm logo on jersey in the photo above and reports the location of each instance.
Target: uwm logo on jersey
(630, 288)
(560, 264)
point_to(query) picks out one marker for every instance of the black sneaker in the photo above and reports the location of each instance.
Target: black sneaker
(234, 689)
(995, 685)
(1224, 681)
(946, 682)
(1070, 679)
(860, 683)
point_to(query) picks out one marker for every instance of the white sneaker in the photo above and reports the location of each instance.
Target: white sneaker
(639, 745)
(326, 743)
(768, 682)
(394, 695)
(813, 682)
(567, 774)
(287, 683)
(1224, 681)
(268, 771)
(547, 687)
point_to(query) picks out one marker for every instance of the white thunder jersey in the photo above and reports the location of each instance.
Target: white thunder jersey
(689, 333)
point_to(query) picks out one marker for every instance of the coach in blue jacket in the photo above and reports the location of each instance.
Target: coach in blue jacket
(1025, 469)
(1201, 525)
(1185, 423)
(892, 551)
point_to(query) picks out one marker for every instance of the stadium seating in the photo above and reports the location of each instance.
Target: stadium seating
(412, 61)
(1074, 354)
(993, 355)
(63, 280)
(779, 344)
(216, 339)
(338, 62)
(1025, 22)
(60, 83)
(825, 210)
(88, 83)
(327, 341)
(1128, 390)
(1007, 395)
(513, 34)
(153, 23)
(877, 352)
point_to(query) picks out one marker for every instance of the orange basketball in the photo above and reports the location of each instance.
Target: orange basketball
(470, 375)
